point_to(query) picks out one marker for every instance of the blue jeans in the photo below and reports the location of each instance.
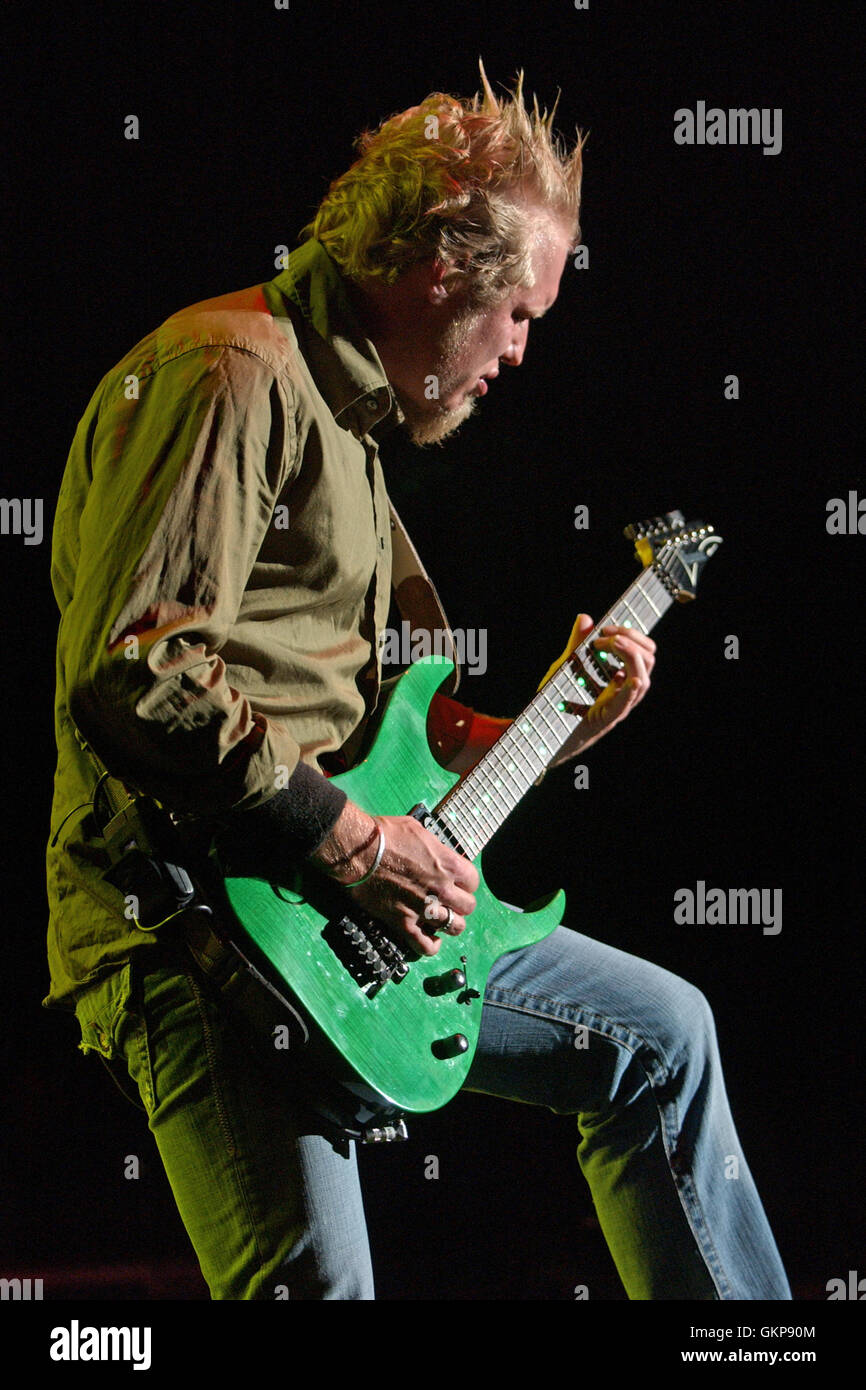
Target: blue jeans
(273, 1207)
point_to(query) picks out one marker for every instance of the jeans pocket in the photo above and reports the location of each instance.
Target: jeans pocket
(98, 1009)
(136, 1070)
(110, 1030)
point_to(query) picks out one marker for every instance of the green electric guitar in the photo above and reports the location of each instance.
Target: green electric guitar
(402, 1029)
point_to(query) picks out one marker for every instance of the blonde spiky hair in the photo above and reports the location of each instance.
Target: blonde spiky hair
(465, 182)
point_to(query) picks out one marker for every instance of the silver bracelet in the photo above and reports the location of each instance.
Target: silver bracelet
(376, 862)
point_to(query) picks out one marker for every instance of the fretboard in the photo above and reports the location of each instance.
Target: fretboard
(476, 808)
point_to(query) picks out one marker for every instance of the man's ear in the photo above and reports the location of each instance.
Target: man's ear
(437, 290)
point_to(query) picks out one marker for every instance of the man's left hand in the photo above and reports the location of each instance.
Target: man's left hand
(460, 736)
(627, 688)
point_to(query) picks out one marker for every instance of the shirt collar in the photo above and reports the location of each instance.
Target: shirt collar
(343, 362)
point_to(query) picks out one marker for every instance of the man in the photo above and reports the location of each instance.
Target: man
(222, 562)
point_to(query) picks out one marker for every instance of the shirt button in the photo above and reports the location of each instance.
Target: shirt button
(372, 403)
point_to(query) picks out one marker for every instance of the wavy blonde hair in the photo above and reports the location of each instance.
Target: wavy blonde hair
(467, 182)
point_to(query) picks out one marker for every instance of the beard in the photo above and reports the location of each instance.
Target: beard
(431, 423)
(434, 424)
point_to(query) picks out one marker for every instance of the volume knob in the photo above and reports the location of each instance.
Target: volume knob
(445, 984)
(444, 1048)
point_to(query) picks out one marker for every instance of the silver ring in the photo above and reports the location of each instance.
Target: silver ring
(446, 925)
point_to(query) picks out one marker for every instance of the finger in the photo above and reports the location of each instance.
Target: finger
(636, 683)
(452, 928)
(436, 906)
(629, 631)
(448, 865)
(421, 938)
(637, 662)
(434, 911)
(622, 693)
(637, 658)
(466, 879)
(437, 918)
(629, 634)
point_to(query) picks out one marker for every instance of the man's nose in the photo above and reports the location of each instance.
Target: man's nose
(513, 354)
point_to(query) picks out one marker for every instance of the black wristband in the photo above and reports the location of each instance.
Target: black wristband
(268, 840)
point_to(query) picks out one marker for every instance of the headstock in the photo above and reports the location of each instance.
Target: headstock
(677, 551)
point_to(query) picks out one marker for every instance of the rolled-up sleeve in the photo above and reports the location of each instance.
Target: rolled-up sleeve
(185, 479)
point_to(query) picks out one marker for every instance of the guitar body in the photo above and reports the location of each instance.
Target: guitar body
(392, 1034)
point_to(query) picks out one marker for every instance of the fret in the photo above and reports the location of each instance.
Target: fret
(509, 754)
(501, 749)
(652, 605)
(650, 577)
(466, 834)
(452, 825)
(548, 709)
(633, 614)
(640, 607)
(482, 823)
(526, 727)
(471, 844)
(533, 774)
(489, 809)
(568, 673)
(634, 598)
(494, 760)
(514, 751)
(494, 777)
(490, 794)
(471, 814)
(475, 833)
(565, 720)
(579, 684)
(493, 793)
(567, 724)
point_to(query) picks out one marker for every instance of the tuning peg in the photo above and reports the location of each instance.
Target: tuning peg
(657, 527)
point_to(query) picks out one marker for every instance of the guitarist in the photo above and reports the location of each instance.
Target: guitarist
(222, 563)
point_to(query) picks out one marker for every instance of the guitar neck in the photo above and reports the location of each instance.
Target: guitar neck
(476, 808)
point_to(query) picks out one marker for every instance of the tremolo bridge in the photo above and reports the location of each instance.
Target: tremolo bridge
(369, 954)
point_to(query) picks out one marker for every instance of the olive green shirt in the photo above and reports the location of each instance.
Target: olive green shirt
(222, 564)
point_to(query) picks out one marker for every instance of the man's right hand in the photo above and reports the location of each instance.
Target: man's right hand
(416, 883)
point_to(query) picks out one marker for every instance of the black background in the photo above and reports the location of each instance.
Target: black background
(744, 773)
